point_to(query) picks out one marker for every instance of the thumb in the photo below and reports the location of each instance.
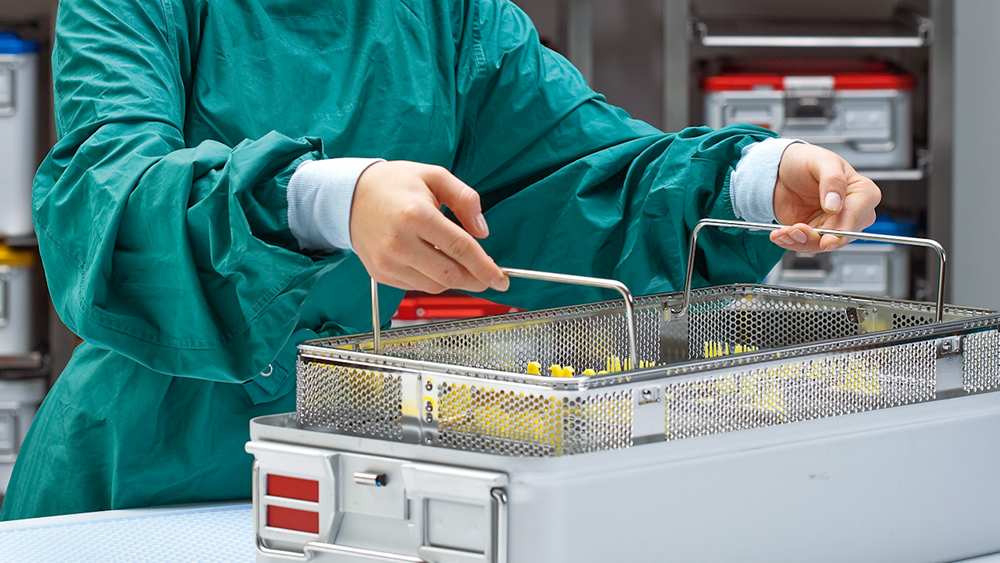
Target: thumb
(461, 199)
(832, 180)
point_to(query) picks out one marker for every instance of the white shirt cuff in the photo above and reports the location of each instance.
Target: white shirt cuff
(320, 193)
(751, 186)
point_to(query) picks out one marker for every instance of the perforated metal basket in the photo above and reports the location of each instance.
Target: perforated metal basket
(700, 362)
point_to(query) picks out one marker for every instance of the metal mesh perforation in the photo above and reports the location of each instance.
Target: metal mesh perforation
(496, 421)
(981, 361)
(906, 321)
(785, 356)
(584, 342)
(766, 396)
(763, 322)
(350, 400)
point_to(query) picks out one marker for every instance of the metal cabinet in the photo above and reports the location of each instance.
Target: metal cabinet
(648, 56)
(34, 344)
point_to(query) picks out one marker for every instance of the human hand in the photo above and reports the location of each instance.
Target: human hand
(404, 240)
(816, 188)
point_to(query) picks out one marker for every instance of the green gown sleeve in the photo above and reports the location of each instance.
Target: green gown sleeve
(576, 186)
(173, 256)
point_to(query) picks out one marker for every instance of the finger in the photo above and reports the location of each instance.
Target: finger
(389, 269)
(457, 196)
(830, 242)
(439, 269)
(790, 236)
(411, 262)
(852, 219)
(416, 280)
(799, 237)
(408, 279)
(458, 246)
(859, 206)
(807, 239)
(429, 272)
(831, 173)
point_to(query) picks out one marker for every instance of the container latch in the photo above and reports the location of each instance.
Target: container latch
(809, 101)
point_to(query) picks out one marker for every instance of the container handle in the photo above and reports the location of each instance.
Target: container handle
(10, 107)
(894, 239)
(5, 273)
(542, 276)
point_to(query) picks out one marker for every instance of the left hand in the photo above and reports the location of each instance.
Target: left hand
(816, 188)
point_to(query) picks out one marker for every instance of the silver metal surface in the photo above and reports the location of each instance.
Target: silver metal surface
(5, 272)
(781, 393)
(808, 41)
(11, 410)
(701, 362)
(350, 398)
(927, 243)
(376, 321)
(502, 534)
(579, 16)
(425, 512)
(370, 479)
(618, 286)
(881, 478)
(261, 548)
(981, 357)
(10, 107)
(314, 548)
(743, 357)
(907, 31)
(628, 300)
(456, 513)
(489, 419)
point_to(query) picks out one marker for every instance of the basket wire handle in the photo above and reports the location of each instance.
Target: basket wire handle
(912, 241)
(542, 276)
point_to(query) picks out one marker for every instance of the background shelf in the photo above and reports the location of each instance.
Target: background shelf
(894, 34)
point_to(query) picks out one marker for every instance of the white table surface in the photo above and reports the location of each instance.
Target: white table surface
(215, 533)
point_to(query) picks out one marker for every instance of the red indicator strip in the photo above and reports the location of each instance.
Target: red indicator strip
(291, 487)
(293, 519)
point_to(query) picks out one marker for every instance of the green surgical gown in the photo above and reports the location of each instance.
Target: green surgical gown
(161, 212)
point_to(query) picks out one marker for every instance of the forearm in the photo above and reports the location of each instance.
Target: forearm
(150, 251)
(176, 254)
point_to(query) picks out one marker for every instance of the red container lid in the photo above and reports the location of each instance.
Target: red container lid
(770, 74)
(448, 305)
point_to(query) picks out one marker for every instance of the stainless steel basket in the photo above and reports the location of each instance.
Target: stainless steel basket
(666, 367)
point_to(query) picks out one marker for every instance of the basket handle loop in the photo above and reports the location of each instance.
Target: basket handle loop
(543, 276)
(894, 239)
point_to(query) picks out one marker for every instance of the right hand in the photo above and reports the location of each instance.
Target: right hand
(404, 240)
(817, 189)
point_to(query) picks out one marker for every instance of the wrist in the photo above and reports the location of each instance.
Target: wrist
(320, 196)
(753, 181)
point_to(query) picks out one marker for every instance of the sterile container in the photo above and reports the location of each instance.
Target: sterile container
(858, 109)
(18, 131)
(760, 423)
(19, 401)
(18, 274)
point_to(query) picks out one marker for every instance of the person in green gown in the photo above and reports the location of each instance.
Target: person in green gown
(229, 173)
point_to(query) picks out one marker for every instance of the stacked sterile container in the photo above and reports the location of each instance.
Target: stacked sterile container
(860, 109)
(18, 131)
(860, 268)
(19, 400)
(22, 380)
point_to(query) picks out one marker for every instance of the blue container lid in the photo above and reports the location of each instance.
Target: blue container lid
(889, 226)
(11, 44)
